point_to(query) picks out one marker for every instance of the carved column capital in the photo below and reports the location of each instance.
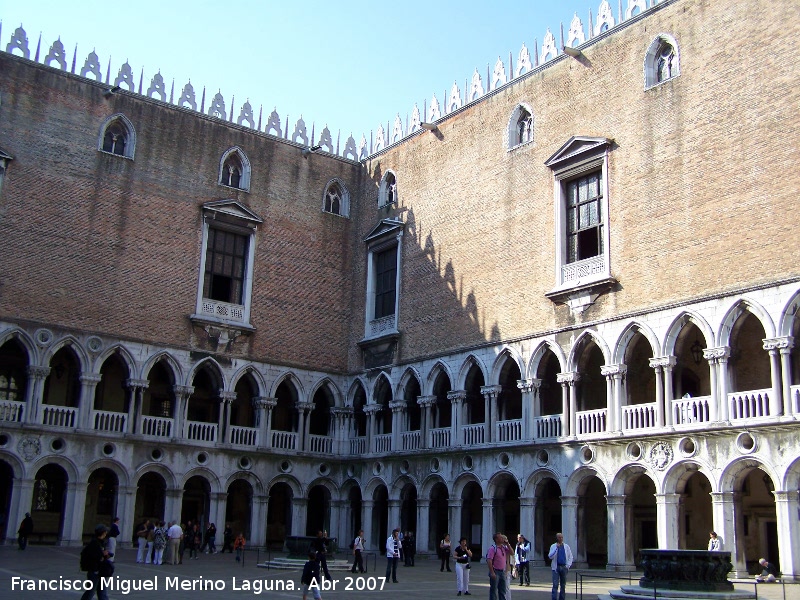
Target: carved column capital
(137, 384)
(264, 403)
(457, 396)
(663, 361)
(720, 353)
(93, 378)
(614, 370)
(38, 372)
(183, 391)
(779, 343)
(227, 397)
(569, 377)
(492, 391)
(425, 401)
(371, 409)
(305, 406)
(397, 406)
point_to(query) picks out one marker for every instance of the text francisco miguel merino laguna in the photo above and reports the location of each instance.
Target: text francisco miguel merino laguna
(157, 583)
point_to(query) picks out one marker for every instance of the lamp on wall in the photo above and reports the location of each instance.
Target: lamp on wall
(697, 351)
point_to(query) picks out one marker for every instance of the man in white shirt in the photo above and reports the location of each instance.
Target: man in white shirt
(392, 555)
(174, 534)
(358, 548)
(560, 556)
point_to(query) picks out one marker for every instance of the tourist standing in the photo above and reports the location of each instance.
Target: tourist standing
(24, 531)
(358, 548)
(409, 549)
(463, 555)
(227, 538)
(174, 534)
(141, 539)
(560, 556)
(159, 543)
(497, 560)
(392, 555)
(320, 546)
(238, 545)
(111, 539)
(521, 553)
(311, 576)
(444, 552)
(92, 557)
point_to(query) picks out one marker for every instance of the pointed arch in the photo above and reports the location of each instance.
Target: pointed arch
(117, 136)
(123, 353)
(336, 198)
(387, 190)
(578, 346)
(662, 61)
(357, 384)
(171, 362)
(290, 378)
(734, 312)
(234, 169)
(375, 385)
(71, 342)
(519, 130)
(627, 334)
(24, 340)
(430, 380)
(408, 374)
(679, 323)
(539, 354)
(788, 315)
(214, 368)
(333, 390)
(256, 375)
(507, 353)
(465, 368)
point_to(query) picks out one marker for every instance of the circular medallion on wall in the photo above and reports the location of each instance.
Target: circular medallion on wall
(29, 447)
(43, 336)
(109, 449)
(157, 454)
(687, 447)
(351, 471)
(660, 455)
(202, 458)
(635, 451)
(377, 468)
(467, 463)
(542, 458)
(404, 467)
(4, 440)
(323, 469)
(503, 460)
(746, 443)
(57, 445)
(286, 466)
(245, 462)
(94, 344)
(435, 465)
(587, 455)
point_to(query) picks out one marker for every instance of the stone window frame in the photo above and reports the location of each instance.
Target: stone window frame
(124, 123)
(4, 160)
(244, 178)
(387, 192)
(651, 59)
(387, 235)
(344, 198)
(232, 216)
(513, 137)
(575, 159)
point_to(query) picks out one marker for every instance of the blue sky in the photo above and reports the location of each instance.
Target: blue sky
(349, 64)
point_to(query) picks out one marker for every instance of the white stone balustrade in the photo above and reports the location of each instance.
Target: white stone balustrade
(106, 420)
(284, 440)
(691, 411)
(748, 405)
(474, 434)
(222, 310)
(509, 431)
(547, 427)
(410, 440)
(639, 416)
(383, 442)
(440, 437)
(12, 411)
(582, 269)
(59, 416)
(244, 436)
(358, 446)
(795, 395)
(591, 421)
(201, 432)
(157, 426)
(321, 444)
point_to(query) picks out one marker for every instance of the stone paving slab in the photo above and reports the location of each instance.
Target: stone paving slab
(422, 582)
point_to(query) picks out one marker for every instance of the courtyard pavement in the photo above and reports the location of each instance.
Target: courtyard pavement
(422, 582)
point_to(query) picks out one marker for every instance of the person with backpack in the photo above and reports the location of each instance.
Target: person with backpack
(358, 548)
(497, 560)
(311, 575)
(93, 557)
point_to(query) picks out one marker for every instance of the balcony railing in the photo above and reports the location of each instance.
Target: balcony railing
(59, 416)
(474, 434)
(383, 442)
(639, 416)
(509, 431)
(106, 420)
(244, 436)
(440, 437)
(284, 440)
(547, 427)
(411, 440)
(320, 443)
(591, 421)
(11, 410)
(157, 426)
(222, 310)
(795, 395)
(749, 405)
(358, 446)
(581, 269)
(201, 431)
(691, 411)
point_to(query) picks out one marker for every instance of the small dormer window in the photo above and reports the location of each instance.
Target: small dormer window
(662, 61)
(336, 198)
(117, 136)
(520, 127)
(524, 127)
(234, 169)
(114, 139)
(387, 193)
(232, 172)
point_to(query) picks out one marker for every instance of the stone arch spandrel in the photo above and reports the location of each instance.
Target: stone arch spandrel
(216, 370)
(623, 480)
(465, 368)
(71, 342)
(539, 354)
(399, 484)
(578, 480)
(254, 373)
(118, 469)
(289, 377)
(123, 353)
(789, 315)
(207, 474)
(425, 489)
(675, 478)
(507, 353)
(734, 312)
(462, 481)
(292, 482)
(537, 478)
(579, 346)
(327, 483)
(373, 484)
(249, 477)
(170, 480)
(731, 478)
(70, 468)
(171, 361)
(499, 477)
(624, 339)
(408, 374)
(433, 374)
(681, 321)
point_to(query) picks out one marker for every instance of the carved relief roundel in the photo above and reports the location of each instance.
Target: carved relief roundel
(29, 447)
(661, 455)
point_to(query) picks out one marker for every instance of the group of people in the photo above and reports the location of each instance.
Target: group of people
(157, 539)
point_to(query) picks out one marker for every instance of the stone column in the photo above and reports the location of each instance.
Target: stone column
(787, 508)
(568, 401)
(343, 416)
(487, 524)
(398, 408)
(723, 510)
(668, 520)
(173, 505)
(371, 410)
(299, 516)
(74, 513)
(528, 389)
(33, 400)
(454, 506)
(182, 395)
(337, 527)
(618, 541)
(668, 364)
(394, 514)
(614, 375)
(569, 525)
(657, 364)
(457, 399)
(21, 502)
(785, 348)
(136, 388)
(424, 403)
(367, 506)
(305, 409)
(527, 512)
(224, 421)
(89, 383)
(719, 385)
(263, 406)
(258, 529)
(423, 525)
(773, 346)
(490, 395)
(126, 506)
